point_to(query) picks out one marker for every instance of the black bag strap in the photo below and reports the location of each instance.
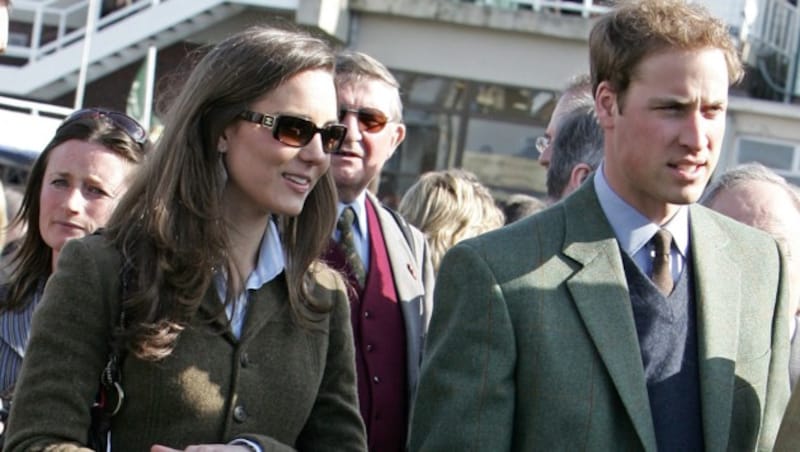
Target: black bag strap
(111, 378)
(110, 394)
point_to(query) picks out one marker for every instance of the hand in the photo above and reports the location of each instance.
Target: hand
(202, 448)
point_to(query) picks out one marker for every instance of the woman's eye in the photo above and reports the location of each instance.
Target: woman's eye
(97, 191)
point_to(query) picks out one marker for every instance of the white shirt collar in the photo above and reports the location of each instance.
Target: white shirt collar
(271, 262)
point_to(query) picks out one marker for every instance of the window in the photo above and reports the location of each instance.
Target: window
(486, 128)
(781, 157)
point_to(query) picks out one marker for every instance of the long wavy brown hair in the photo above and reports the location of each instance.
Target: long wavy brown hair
(31, 263)
(170, 226)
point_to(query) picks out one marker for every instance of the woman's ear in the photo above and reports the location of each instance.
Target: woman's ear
(222, 144)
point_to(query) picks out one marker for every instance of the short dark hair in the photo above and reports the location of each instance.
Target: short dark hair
(519, 206)
(635, 29)
(579, 140)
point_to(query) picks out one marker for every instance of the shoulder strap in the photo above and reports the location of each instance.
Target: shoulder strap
(404, 228)
(111, 378)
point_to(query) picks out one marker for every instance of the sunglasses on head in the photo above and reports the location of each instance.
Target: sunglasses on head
(119, 120)
(297, 132)
(369, 119)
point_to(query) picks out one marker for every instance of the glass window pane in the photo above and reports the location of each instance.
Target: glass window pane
(794, 180)
(772, 155)
(513, 103)
(503, 156)
(429, 90)
(429, 144)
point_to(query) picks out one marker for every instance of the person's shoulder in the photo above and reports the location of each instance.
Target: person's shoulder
(550, 220)
(736, 230)
(516, 244)
(325, 275)
(94, 247)
(412, 235)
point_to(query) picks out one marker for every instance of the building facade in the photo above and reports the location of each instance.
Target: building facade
(479, 78)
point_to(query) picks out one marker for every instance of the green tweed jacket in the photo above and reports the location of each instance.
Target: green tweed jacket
(281, 386)
(533, 346)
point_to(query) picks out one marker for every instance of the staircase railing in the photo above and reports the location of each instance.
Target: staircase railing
(67, 19)
(775, 34)
(584, 8)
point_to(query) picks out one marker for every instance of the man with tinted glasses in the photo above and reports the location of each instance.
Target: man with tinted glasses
(385, 260)
(625, 317)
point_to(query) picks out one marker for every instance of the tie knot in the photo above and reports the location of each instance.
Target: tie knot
(347, 218)
(662, 270)
(662, 241)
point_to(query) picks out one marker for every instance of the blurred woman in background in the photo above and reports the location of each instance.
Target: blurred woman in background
(72, 188)
(449, 206)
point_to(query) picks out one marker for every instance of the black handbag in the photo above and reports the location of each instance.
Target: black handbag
(108, 402)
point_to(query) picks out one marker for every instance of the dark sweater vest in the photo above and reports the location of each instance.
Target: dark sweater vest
(380, 343)
(667, 331)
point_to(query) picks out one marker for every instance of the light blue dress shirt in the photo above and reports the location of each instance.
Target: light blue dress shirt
(634, 230)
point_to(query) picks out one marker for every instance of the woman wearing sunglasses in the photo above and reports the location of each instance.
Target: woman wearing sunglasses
(235, 336)
(72, 188)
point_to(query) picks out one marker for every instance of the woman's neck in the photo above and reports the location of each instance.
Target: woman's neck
(54, 260)
(245, 237)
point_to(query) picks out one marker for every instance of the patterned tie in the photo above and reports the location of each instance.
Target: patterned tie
(348, 243)
(662, 272)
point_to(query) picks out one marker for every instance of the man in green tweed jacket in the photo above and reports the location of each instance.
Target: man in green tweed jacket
(549, 334)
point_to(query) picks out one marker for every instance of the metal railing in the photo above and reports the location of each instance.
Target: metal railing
(776, 27)
(56, 24)
(34, 108)
(775, 34)
(584, 8)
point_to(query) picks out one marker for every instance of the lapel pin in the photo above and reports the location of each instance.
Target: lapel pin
(411, 270)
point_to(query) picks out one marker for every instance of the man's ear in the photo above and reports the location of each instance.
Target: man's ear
(398, 135)
(606, 105)
(580, 172)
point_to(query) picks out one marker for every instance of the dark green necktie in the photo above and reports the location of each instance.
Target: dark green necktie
(347, 241)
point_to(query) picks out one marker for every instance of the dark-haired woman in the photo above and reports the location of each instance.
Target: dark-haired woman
(72, 188)
(234, 336)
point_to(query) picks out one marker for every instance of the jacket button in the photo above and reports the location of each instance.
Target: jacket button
(369, 347)
(244, 359)
(376, 379)
(239, 414)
